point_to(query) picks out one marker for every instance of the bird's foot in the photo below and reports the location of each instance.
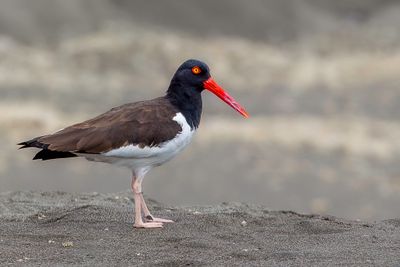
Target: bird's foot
(150, 218)
(148, 225)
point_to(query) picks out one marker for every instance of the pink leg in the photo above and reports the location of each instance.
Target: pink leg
(147, 215)
(137, 195)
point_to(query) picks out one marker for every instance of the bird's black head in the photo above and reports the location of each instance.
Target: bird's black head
(190, 75)
(184, 92)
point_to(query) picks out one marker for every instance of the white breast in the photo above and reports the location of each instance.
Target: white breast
(135, 157)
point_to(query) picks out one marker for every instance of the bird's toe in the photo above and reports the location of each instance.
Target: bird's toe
(150, 218)
(148, 225)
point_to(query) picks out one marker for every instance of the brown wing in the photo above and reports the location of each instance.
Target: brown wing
(146, 123)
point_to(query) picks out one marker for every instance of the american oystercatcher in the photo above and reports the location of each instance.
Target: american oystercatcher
(140, 135)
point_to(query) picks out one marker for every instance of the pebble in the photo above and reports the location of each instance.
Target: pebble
(52, 241)
(68, 244)
(243, 223)
(41, 216)
(21, 260)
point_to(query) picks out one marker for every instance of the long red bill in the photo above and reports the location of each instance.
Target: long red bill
(212, 86)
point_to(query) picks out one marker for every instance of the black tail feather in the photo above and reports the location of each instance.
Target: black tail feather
(46, 154)
(33, 143)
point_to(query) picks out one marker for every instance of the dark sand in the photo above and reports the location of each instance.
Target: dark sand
(36, 228)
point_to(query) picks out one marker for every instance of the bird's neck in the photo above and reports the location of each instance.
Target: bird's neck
(187, 101)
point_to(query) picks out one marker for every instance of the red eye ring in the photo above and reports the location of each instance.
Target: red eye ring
(196, 70)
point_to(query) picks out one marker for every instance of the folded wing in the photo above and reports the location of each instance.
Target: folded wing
(146, 123)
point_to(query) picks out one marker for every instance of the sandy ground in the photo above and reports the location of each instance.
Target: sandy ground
(59, 228)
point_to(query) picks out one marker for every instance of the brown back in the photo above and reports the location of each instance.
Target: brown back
(145, 123)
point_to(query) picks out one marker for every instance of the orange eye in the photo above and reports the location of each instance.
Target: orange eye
(196, 70)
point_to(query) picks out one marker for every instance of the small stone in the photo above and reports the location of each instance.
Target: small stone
(41, 216)
(196, 212)
(105, 229)
(243, 223)
(20, 260)
(245, 250)
(52, 241)
(116, 197)
(137, 254)
(67, 244)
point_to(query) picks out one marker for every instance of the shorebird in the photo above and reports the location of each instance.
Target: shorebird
(140, 135)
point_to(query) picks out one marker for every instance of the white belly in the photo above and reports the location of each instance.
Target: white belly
(143, 159)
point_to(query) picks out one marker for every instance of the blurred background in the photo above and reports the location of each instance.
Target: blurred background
(320, 79)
